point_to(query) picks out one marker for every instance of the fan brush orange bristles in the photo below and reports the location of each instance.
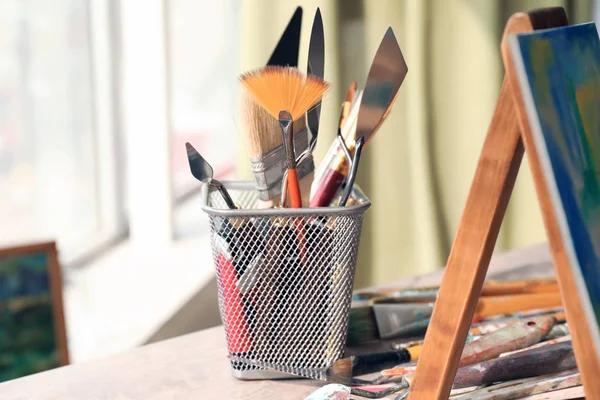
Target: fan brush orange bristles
(287, 94)
(275, 87)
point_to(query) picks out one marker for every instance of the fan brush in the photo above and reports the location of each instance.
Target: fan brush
(262, 136)
(286, 94)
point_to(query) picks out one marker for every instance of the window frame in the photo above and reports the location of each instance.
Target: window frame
(150, 274)
(104, 46)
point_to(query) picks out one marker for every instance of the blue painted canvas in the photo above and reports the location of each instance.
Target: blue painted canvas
(559, 76)
(28, 342)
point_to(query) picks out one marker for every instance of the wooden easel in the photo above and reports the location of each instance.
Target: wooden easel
(478, 230)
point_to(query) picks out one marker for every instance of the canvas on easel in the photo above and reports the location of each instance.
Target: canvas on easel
(555, 77)
(559, 78)
(32, 326)
(478, 230)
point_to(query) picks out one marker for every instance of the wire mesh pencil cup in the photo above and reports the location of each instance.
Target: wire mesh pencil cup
(285, 279)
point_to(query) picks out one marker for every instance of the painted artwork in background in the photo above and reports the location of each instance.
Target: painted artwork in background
(559, 75)
(31, 335)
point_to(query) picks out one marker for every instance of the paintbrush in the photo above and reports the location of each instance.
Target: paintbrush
(489, 306)
(231, 260)
(338, 391)
(369, 363)
(262, 135)
(237, 328)
(346, 108)
(286, 94)
(378, 321)
(278, 277)
(344, 131)
(385, 77)
(516, 336)
(383, 321)
(540, 361)
(559, 331)
(488, 326)
(558, 386)
(321, 280)
(526, 387)
(262, 131)
(295, 311)
(545, 342)
(497, 305)
(513, 337)
(431, 293)
(490, 288)
(496, 370)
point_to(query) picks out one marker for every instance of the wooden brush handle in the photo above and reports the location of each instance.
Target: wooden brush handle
(369, 363)
(294, 189)
(305, 188)
(498, 288)
(295, 197)
(520, 335)
(327, 188)
(498, 305)
(490, 289)
(545, 360)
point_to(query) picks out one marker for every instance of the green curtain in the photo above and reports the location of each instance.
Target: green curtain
(418, 170)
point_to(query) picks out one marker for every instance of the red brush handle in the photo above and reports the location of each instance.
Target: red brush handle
(327, 188)
(238, 331)
(296, 202)
(294, 189)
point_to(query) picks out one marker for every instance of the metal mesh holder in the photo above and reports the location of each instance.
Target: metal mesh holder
(285, 281)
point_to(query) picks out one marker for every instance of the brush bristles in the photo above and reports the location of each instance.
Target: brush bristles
(261, 130)
(284, 88)
(341, 368)
(362, 326)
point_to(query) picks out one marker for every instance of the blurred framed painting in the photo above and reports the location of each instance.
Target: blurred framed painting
(32, 326)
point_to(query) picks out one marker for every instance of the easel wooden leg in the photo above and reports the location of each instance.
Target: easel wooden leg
(477, 233)
(471, 253)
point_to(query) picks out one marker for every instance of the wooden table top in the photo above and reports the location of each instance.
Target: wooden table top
(195, 366)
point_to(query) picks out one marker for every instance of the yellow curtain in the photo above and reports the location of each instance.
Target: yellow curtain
(418, 169)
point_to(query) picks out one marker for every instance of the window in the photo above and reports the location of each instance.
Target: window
(97, 98)
(203, 50)
(57, 159)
